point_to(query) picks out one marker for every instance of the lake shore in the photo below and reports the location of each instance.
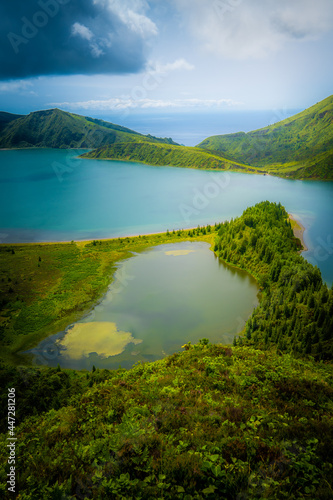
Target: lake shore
(298, 229)
(85, 241)
(92, 266)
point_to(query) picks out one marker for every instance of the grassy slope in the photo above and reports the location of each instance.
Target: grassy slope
(54, 128)
(6, 118)
(211, 422)
(167, 154)
(300, 146)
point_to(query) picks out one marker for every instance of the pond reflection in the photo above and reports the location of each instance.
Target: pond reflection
(166, 296)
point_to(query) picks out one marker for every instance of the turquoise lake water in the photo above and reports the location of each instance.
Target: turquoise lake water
(49, 195)
(174, 293)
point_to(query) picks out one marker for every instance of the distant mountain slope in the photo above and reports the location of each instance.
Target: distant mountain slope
(55, 128)
(166, 154)
(6, 118)
(300, 146)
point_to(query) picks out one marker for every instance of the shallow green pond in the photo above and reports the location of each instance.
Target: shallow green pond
(160, 299)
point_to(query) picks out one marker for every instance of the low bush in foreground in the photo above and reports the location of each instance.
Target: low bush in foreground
(209, 422)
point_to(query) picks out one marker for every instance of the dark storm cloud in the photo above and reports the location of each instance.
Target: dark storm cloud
(62, 37)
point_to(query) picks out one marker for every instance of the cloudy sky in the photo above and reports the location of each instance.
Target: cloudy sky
(102, 56)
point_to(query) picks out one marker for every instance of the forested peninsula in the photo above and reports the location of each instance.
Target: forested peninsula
(167, 155)
(296, 308)
(252, 420)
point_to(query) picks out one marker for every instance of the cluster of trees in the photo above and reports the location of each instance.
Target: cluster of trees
(296, 308)
(193, 232)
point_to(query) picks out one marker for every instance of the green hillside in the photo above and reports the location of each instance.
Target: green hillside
(166, 154)
(211, 422)
(55, 128)
(249, 421)
(300, 146)
(6, 118)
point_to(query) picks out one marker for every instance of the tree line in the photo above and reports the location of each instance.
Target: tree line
(295, 312)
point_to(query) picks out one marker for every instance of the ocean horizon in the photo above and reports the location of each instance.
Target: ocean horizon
(191, 127)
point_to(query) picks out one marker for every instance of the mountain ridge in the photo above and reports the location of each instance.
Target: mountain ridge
(54, 128)
(300, 146)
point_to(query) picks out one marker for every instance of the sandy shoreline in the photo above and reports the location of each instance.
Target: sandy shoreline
(90, 240)
(298, 229)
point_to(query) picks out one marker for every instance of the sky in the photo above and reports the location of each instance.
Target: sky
(102, 57)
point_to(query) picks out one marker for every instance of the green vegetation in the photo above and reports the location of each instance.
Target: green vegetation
(300, 147)
(296, 308)
(166, 154)
(45, 287)
(210, 422)
(54, 128)
(6, 118)
(251, 421)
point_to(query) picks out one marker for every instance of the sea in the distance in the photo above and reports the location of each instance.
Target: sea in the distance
(191, 127)
(52, 195)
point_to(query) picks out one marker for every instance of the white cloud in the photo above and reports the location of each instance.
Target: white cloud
(125, 103)
(133, 14)
(163, 69)
(96, 51)
(139, 23)
(16, 86)
(85, 33)
(82, 31)
(254, 28)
